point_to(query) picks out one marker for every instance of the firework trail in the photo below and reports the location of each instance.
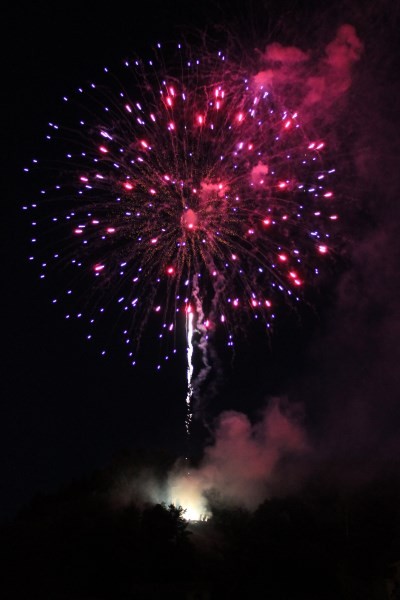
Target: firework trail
(190, 194)
(189, 337)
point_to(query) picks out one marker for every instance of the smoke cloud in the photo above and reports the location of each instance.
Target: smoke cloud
(315, 83)
(353, 393)
(242, 464)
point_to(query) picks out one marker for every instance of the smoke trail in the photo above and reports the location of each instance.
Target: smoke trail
(202, 346)
(189, 372)
(195, 324)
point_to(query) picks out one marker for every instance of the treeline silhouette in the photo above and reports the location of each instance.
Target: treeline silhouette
(80, 544)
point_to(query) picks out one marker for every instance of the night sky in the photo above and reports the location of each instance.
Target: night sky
(66, 411)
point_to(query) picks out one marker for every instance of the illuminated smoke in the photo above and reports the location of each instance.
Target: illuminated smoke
(245, 464)
(319, 82)
(189, 219)
(242, 464)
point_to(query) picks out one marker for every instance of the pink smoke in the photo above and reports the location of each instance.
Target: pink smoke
(244, 458)
(315, 81)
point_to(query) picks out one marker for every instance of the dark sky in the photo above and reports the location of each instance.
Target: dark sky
(64, 412)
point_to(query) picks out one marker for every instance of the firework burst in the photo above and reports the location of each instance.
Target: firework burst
(187, 190)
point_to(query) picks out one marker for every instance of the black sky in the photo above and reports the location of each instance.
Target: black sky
(64, 411)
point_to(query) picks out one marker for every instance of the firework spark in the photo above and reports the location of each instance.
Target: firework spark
(189, 186)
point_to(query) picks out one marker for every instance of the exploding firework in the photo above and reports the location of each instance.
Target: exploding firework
(189, 193)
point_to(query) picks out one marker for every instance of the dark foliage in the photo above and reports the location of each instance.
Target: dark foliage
(321, 545)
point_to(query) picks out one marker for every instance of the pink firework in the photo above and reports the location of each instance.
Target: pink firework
(188, 188)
